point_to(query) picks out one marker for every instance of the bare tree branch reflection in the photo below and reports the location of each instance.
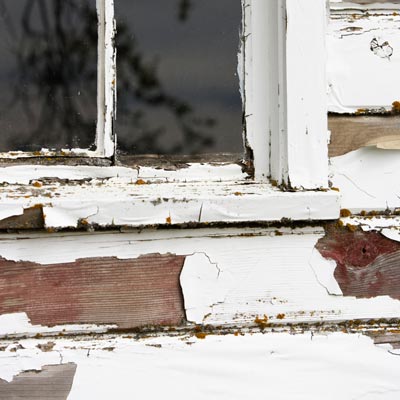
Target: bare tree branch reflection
(184, 7)
(55, 47)
(138, 83)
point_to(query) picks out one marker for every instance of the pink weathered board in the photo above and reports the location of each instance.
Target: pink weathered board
(124, 293)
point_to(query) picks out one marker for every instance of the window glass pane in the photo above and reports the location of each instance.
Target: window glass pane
(48, 74)
(178, 89)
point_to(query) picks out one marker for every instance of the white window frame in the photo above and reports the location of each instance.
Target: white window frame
(283, 86)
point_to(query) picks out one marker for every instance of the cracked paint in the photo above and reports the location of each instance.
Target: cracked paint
(310, 362)
(356, 55)
(368, 179)
(324, 270)
(204, 285)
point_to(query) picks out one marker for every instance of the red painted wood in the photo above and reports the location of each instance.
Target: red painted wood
(368, 264)
(128, 293)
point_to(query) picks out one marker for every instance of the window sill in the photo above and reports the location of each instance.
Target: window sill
(78, 197)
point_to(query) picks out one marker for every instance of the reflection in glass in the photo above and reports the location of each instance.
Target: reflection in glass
(48, 74)
(178, 90)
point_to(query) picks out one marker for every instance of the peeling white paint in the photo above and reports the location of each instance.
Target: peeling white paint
(393, 234)
(358, 78)
(195, 172)
(378, 223)
(324, 272)
(23, 174)
(278, 365)
(201, 286)
(121, 202)
(9, 210)
(368, 179)
(263, 272)
(20, 324)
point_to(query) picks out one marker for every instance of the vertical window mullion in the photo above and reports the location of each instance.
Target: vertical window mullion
(105, 138)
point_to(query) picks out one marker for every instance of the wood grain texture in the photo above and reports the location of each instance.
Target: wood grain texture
(349, 133)
(52, 382)
(368, 264)
(128, 293)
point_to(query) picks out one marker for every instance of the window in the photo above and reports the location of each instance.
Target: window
(282, 84)
(53, 78)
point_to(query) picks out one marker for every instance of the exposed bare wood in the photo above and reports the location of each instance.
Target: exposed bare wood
(392, 338)
(52, 382)
(368, 264)
(127, 293)
(174, 162)
(55, 160)
(32, 218)
(349, 133)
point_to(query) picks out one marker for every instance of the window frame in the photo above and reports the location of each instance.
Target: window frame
(286, 138)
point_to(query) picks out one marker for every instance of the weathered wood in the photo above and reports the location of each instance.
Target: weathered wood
(127, 293)
(388, 338)
(349, 133)
(32, 218)
(368, 264)
(52, 382)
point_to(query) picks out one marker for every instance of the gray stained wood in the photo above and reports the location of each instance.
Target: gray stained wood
(350, 133)
(392, 338)
(32, 218)
(53, 382)
(125, 293)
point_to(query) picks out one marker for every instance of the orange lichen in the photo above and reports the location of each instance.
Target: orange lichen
(396, 107)
(351, 228)
(262, 322)
(168, 220)
(361, 111)
(238, 194)
(37, 184)
(274, 182)
(140, 182)
(345, 213)
(335, 189)
(200, 335)
(281, 316)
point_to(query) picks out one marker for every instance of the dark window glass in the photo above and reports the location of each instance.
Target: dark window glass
(178, 90)
(48, 74)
